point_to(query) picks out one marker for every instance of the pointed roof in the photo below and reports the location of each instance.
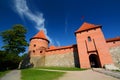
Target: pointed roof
(87, 26)
(40, 35)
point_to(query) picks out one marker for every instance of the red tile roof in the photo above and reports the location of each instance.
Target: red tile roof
(113, 39)
(40, 35)
(87, 26)
(52, 47)
(62, 47)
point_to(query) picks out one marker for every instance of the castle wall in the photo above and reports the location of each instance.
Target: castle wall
(113, 44)
(62, 58)
(114, 48)
(37, 61)
(115, 52)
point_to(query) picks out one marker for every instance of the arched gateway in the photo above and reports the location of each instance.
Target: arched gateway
(94, 61)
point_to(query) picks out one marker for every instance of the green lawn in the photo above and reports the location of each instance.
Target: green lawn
(62, 68)
(32, 74)
(117, 70)
(2, 73)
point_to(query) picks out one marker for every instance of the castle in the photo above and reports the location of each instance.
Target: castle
(91, 49)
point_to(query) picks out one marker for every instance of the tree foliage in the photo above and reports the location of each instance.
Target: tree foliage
(14, 44)
(14, 39)
(9, 61)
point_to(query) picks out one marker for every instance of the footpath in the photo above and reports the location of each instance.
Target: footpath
(12, 75)
(115, 74)
(85, 75)
(91, 74)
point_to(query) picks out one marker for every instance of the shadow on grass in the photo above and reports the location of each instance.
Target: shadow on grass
(62, 68)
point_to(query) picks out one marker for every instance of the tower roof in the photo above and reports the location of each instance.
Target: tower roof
(87, 26)
(40, 35)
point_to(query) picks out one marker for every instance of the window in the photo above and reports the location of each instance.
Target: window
(89, 38)
(34, 45)
(33, 51)
(40, 51)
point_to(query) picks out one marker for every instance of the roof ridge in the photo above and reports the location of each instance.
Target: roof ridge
(40, 35)
(113, 39)
(87, 26)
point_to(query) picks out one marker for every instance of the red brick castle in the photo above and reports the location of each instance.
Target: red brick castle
(91, 50)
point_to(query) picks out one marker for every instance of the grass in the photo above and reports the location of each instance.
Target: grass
(117, 70)
(62, 68)
(2, 73)
(32, 74)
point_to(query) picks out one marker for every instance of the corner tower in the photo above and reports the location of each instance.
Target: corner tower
(38, 45)
(92, 48)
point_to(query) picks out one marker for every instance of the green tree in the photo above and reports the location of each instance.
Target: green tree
(8, 61)
(14, 39)
(2, 60)
(14, 44)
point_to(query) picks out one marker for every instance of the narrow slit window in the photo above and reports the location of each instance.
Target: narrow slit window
(89, 38)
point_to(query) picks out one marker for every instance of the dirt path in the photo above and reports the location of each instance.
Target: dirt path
(12, 75)
(70, 75)
(83, 75)
(86, 75)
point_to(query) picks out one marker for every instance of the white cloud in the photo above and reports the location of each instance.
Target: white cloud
(58, 43)
(23, 10)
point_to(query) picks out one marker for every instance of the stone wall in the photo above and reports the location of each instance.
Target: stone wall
(115, 52)
(60, 60)
(69, 59)
(37, 61)
(61, 57)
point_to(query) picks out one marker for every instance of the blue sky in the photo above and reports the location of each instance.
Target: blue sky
(60, 18)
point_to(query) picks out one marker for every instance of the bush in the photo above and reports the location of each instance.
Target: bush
(9, 61)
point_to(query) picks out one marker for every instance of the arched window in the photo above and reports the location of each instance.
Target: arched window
(89, 38)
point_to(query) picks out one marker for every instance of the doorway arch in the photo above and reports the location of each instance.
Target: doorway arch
(94, 61)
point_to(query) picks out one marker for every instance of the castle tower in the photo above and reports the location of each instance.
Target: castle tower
(92, 46)
(38, 45)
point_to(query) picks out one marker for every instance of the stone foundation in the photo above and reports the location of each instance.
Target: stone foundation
(115, 52)
(38, 61)
(60, 60)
